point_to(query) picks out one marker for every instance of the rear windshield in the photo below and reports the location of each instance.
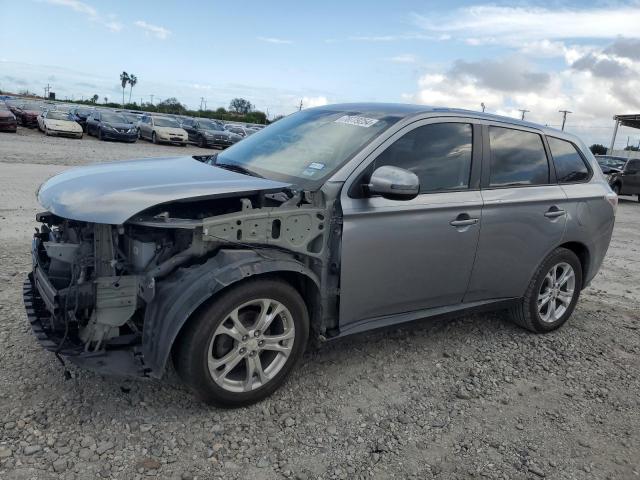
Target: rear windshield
(165, 122)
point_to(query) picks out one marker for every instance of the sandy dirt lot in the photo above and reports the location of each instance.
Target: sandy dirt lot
(474, 397)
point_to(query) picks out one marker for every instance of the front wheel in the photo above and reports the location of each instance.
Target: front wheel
(552, 293)
(240, 348)
(100, 136)
(616, 189)
(154, 139)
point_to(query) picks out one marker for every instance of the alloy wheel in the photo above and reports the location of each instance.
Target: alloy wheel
(251, 345)
(556, 292)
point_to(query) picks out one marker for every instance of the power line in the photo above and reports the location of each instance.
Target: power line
(564, 117)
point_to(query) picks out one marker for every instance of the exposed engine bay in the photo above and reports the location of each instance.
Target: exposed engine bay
(94, 282)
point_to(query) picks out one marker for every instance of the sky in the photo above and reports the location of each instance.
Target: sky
(541, 56)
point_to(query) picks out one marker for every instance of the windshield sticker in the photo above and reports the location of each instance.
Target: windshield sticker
(309, 172)
(357, 121)
(316, 166)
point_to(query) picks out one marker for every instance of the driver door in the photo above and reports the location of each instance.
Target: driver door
(401, 256)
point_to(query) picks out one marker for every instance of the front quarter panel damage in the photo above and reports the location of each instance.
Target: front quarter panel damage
(180, 295)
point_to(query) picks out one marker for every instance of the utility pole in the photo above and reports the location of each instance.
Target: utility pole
(47, 89)
(151, 96)
(564, 117)
(523, 112)
(201, 102)
(300, 107)
(483, 106)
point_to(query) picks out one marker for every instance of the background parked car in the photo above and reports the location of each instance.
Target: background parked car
(59, 123)
(627, 180)
(80, 114)
(239, 130)
(8, 122)
(160, 129)
(27, 114)
(111, 126)
(208, 133)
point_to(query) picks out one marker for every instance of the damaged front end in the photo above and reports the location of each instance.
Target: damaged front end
(113, 298)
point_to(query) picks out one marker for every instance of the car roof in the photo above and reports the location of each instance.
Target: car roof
(406, 110)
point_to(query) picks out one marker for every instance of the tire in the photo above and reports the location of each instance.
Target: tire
(100, 134)
(639, 198)
(46, 131)
(202, 142)
(201, 341)
(527, 314)
(154, 139)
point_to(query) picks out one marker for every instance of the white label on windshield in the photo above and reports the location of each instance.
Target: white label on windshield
(357, 121)
(316, 165)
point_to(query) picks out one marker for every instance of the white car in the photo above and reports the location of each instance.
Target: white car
(53, 122)
(162, 130)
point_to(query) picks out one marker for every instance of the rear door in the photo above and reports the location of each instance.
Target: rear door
(401, 256)
(524, 212)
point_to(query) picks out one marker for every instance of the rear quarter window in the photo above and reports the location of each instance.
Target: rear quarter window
(570, 166)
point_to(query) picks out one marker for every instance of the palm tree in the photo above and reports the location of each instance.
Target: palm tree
(132, 81)
(124, 79)
(106, 99)
(94, 99)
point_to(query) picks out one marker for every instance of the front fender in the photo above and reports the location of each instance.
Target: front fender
(180, 294)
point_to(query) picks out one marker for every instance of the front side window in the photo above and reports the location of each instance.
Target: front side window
(633, 166)
(517, 158)
(439, 154)
(570, 166)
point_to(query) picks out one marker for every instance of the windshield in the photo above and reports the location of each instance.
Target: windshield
(209, 125)
(114, 118)
(165, 122)
(611, 162)
(131, 117)
(306, 147)
(58, 115)
(82, 112)
(30, 106)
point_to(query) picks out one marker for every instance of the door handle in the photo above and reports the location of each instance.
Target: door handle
(554, 212)
(463, 220)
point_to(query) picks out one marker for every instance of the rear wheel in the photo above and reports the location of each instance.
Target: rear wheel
(616, 188)
(552, 293)
(240, 348)
(201, 142)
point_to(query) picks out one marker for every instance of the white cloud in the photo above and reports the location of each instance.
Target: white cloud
(591, 87)
(155, 30)
(90, 12)
(398, 37)
(404, 58)
(277, 41)
(515, 25)
(308, 102)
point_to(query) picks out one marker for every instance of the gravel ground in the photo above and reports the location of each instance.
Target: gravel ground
(475, 397)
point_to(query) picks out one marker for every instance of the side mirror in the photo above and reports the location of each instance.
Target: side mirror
(394, 183)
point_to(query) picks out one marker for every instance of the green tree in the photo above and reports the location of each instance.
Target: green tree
(132, 81)
(94, 99)
(598, 149)
(124, 79)
(171, 105)
(240, 106)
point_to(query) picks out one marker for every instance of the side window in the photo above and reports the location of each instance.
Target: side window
(439, 154)
(517, 158)
(187, 123)
(570, 166)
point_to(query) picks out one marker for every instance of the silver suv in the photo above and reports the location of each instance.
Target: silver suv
(329, 222)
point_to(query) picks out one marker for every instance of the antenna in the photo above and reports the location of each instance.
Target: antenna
(564, 117)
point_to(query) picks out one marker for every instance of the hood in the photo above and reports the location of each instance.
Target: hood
(171, 130)
(62, 124)
(112, 193)
(7, 114)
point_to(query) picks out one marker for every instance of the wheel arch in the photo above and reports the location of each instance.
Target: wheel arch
(181, 296)
(583, 254)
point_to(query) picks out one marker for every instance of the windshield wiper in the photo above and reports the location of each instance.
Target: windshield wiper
(234, 167)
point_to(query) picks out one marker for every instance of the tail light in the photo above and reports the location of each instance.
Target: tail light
(612, 198)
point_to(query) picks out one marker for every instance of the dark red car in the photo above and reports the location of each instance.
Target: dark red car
(8, 122)
(27, 114)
